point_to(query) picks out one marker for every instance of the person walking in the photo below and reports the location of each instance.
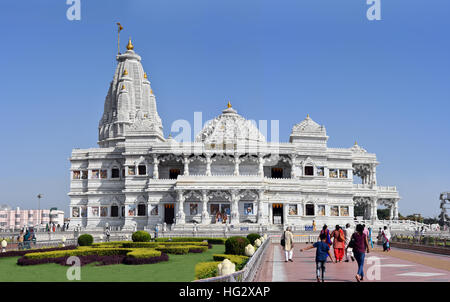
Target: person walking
(20, 241)
(288, 244)
(322, 253)
(327, 234)
(108, 234)
(348, 232)
(360, 246)
(370, 237)
(338, 243)
(385, 238)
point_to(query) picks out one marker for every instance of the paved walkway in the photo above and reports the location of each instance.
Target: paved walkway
(398, 265)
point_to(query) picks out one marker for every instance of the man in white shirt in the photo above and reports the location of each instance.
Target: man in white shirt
(348, 232)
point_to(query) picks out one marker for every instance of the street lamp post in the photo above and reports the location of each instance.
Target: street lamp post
(39, 196)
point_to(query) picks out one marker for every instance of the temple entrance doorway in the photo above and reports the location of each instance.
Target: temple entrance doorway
(277, 209)
(169, 213)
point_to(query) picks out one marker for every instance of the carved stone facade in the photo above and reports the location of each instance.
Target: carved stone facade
(230, 175)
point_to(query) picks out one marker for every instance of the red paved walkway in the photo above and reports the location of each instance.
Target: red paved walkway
(392, 269)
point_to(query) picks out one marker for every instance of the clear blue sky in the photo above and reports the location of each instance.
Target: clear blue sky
(382, 83)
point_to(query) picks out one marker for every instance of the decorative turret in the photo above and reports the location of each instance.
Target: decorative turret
(309, 133)
(130, 105)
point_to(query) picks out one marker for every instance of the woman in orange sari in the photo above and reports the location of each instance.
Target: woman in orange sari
(338, 243)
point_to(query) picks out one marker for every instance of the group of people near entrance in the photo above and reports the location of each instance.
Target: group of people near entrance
(353, 244)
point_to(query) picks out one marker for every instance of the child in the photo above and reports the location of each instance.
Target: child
(322, 252)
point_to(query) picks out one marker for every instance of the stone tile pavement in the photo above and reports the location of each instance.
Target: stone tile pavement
(395, 266)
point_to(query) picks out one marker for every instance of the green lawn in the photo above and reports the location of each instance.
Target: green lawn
(179, 268)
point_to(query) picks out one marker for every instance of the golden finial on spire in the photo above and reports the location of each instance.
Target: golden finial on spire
(307, 116)
(123, 87)
(125, 72)
(151, 91)
(130, 45)
(229, 104)
(145, 75)
(356, 143)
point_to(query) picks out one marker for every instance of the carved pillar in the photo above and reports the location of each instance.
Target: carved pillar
(270, 213)
(293, 166)
(236, 164)
(181, 218)
(374, 175)
(260, 165)
(391, 211)
(155, 167)
(208, 165)
(396, 209)
(206, 219)
(186, 164)
(234, 207)
(260, 206)
(374, 215)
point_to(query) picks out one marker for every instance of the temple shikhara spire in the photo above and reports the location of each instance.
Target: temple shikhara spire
(130, 105)
(230, 176)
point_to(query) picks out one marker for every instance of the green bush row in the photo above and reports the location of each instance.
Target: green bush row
(140, 244)
(240, 261)
(79, 252)
(144, 253)
(205, 270)
(193, 239)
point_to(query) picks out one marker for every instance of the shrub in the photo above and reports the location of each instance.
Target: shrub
(252, 237)
(150, 260)
(177, 250)
(85, 240)
(193, 239)
(21, 253)
(236, 245)
(111, 244)
(205, 270)
(240, 261)
(140, 244)
(141, 236)
(144, 253)
(79, 252)
(182, 243)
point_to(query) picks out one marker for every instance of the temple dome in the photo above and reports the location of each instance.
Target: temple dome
(230, 127)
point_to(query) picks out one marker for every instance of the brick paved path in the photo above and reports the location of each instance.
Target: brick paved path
(395, 266)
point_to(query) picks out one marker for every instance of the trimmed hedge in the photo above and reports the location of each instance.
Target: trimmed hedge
(141, 236)
(79, 252)
(193, 239)
(182, 249)
(21, 253)
(177, 250)
(205, 270)
(252, 237)
(140, 244)
(182, 243)
(85, 240)
(100, 260)
(236, 245)
(111, 244)
(240, 261)
(144, 253)
(151, 260)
